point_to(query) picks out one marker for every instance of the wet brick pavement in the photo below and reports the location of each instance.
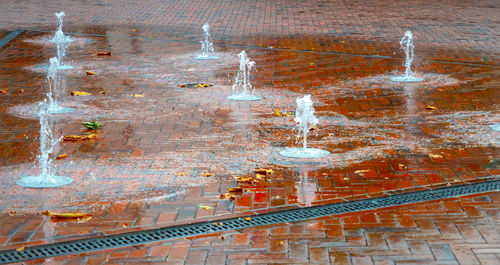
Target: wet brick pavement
(382, 138)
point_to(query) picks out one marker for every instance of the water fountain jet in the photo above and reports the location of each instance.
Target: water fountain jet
(242, 88)
(62, 42)
(207, 46)
(55, 84)
(304, 116)
(407, 45)
(46, 178)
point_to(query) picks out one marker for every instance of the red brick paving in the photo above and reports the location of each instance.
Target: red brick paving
(380, 134)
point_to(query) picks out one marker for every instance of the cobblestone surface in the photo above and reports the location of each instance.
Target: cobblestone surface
(145, 168)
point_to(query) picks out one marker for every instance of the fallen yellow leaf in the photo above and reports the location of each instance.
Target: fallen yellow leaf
(235, 189)
(182, 85)
(74, 138)
(205, 207)
(106, 53)
(65, 215)
(4, 91)
(138, 95)
(21, 90)
(429, 107)
(248, 219)
(435, 156)
(259, 176)
(207, 174)
(90, 73)
(181, 174)
(313, 128)
(20, 249)
(244, 179)
(264, 171)
(402, 167)
(63, 156)
(12, 213)
(80, 93)
(227, 196)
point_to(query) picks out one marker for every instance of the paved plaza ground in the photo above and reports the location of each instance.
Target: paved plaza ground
(174, 155)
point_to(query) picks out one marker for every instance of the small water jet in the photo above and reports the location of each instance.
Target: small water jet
(207, 46)
(407, 45)
(62, 42)
(46, 178)
(242, 88)
(304, 116)
(55, 84)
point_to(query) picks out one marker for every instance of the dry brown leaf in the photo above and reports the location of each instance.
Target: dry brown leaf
(181, 174)
(90, 137)
(65, 215)
(90, 73)
(313, 128)
(4, 91)
(182, 85)
(207, 174)
(102, 92)
(235, 189)
(12, 213)
(20, 249)
(21, 90)
(402, 167)
(244, 179)
(106, 53)
(72, 138)
(80, 93)
(125, 225)
(435, 156)
(62, 156)
(429, 107)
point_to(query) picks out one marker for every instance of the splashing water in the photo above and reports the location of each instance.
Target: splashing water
(55, 84)
(407, 45)
(62, 42)
(304, 117)
(241, 85)
(207, 46)
(46, 179)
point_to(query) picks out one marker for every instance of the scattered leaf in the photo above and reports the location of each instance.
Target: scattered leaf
(61, 157)
(21, 90)
(244, 179)
(281, 243)
(90, 136)
(429, 107)
(102, 93)
(222, 238)
(20, 249)
(227, 196)
(80, 93)
(106, 53)
(207, 174)
(214, 224)
(90, 73)
(12, 213)
(124, 225)
(259, 176)
(181, 174)
(138, 95)
(134, 30)
(402, 167)
(313, 128)
(276, 197)
(182, 85)
(248, 219)
(221, 224)
(280, 113)
(264, 171)
(435, 156)
(93, 125)
(4, 91)
(74, 138)
(235, 189)
(65, 215)
(361, 172)
(205, 207)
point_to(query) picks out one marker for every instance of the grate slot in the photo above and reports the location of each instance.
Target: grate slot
(135, 238)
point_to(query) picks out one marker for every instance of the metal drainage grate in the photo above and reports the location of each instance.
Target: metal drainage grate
(141, 237)
(9, 37)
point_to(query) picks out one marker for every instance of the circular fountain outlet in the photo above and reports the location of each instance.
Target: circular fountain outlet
(304, 152)
(43, 181)
(407, 79)
(201, 57)
(244, 97)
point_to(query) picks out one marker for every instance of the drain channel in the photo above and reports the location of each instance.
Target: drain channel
(147, 236)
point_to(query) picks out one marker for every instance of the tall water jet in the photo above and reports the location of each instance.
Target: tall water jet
(305, 119)
(46, 178)
(207, 46)
(56, 83)
(242, 89)
(407, 45)
(62, 42)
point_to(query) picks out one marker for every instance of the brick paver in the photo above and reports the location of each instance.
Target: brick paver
(382, 136)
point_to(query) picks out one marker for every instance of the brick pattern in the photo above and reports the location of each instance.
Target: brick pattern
(127, 178)
(453, 231)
